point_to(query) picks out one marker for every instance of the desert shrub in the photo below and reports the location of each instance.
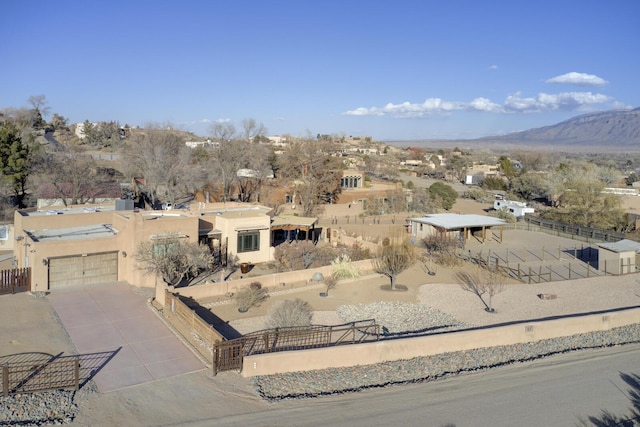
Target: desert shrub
(301, 255)
(289, 313)
(494, 183)
(444, 194)
(475, 194)
(503, 214)
(251, 296)
(342, 268)
(358, 253)
(444, 251)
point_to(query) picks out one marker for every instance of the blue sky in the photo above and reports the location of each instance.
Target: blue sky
(395, 70)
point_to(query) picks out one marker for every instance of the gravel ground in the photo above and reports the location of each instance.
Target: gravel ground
(449, 307)
(343, 380)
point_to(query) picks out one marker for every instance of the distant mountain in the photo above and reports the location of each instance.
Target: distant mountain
(615, 128)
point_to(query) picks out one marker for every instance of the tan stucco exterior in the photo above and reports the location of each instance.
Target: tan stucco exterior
(37, 240)
(407, 348)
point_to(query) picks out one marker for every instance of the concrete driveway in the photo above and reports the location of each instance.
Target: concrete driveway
(113, 323)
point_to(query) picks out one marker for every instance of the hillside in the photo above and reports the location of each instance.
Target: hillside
(615, 128)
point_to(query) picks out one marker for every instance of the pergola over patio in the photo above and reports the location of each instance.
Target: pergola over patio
(449, 225)
(288, 228)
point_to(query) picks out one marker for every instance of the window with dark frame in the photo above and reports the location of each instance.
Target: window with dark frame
(249, 242)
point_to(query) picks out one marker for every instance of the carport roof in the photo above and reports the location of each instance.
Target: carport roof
(450, 221)
(624, 245)
(72, 233)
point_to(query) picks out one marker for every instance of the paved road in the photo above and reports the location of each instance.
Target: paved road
(557, 391)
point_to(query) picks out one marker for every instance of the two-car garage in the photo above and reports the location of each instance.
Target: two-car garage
(85, 269)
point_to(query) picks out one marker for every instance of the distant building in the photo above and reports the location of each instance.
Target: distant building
(517, 209)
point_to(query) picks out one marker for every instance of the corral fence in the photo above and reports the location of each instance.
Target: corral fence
(63, 373)
(550, 264)
(228, 355)
(15, 280)
(575, 232)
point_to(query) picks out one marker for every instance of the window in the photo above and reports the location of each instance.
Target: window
(4, 232)
(249, 242)
(164, 248)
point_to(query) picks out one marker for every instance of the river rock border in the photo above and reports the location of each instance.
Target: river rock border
(344, 380)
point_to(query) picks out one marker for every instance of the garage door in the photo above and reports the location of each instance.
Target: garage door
(83, 270)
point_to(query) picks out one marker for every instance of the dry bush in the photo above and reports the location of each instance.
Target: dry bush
(301, 255)
(444, 251)
(290, 313)
(251, 296)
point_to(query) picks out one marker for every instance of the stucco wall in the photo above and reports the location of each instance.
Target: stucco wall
(272, 281)
(382, 351)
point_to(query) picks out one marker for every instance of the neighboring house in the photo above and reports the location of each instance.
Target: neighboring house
(449, 226)
(88, 245)
(352, 179)
(207, 143)
(517, 209)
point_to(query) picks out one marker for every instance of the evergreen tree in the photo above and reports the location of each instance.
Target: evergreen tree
(14, 160)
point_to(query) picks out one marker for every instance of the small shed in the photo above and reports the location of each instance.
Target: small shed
(454, 226)
(618, 257)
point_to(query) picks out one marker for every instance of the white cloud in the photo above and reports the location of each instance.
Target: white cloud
(578, 79)
(484, 104)
(493, 67)
(565, 101)
(223, 120)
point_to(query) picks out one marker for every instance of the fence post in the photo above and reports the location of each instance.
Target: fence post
(76, 373)
(214, 362)
(519, 276)
(529, 275)
(569, 271)
(539, 274)
(5, 379)
(550, 271)
(559, 252)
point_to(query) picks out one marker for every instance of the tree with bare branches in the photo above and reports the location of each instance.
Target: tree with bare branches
(314, 173)
(176, 261)
(489, 283)
(161, 157)
(394, 258)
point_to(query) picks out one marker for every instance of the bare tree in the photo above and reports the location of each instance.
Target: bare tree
(314, 173)
(252, 129)
(394, 259)
(161, 157)
(73, 176)
(490, 283)
(176, 261)
(223, 132)
(227, 159)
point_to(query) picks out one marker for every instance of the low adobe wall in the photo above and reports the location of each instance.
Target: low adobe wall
(199, 292)
(407, 348)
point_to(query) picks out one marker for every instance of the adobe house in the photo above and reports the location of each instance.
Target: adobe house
(618, 257)
(450, 226)
(84, 245)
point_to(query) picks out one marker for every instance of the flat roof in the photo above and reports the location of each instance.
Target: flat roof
(61, 210)
(450, 221)
(299, 221)
(72, 233)
(624, 245)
